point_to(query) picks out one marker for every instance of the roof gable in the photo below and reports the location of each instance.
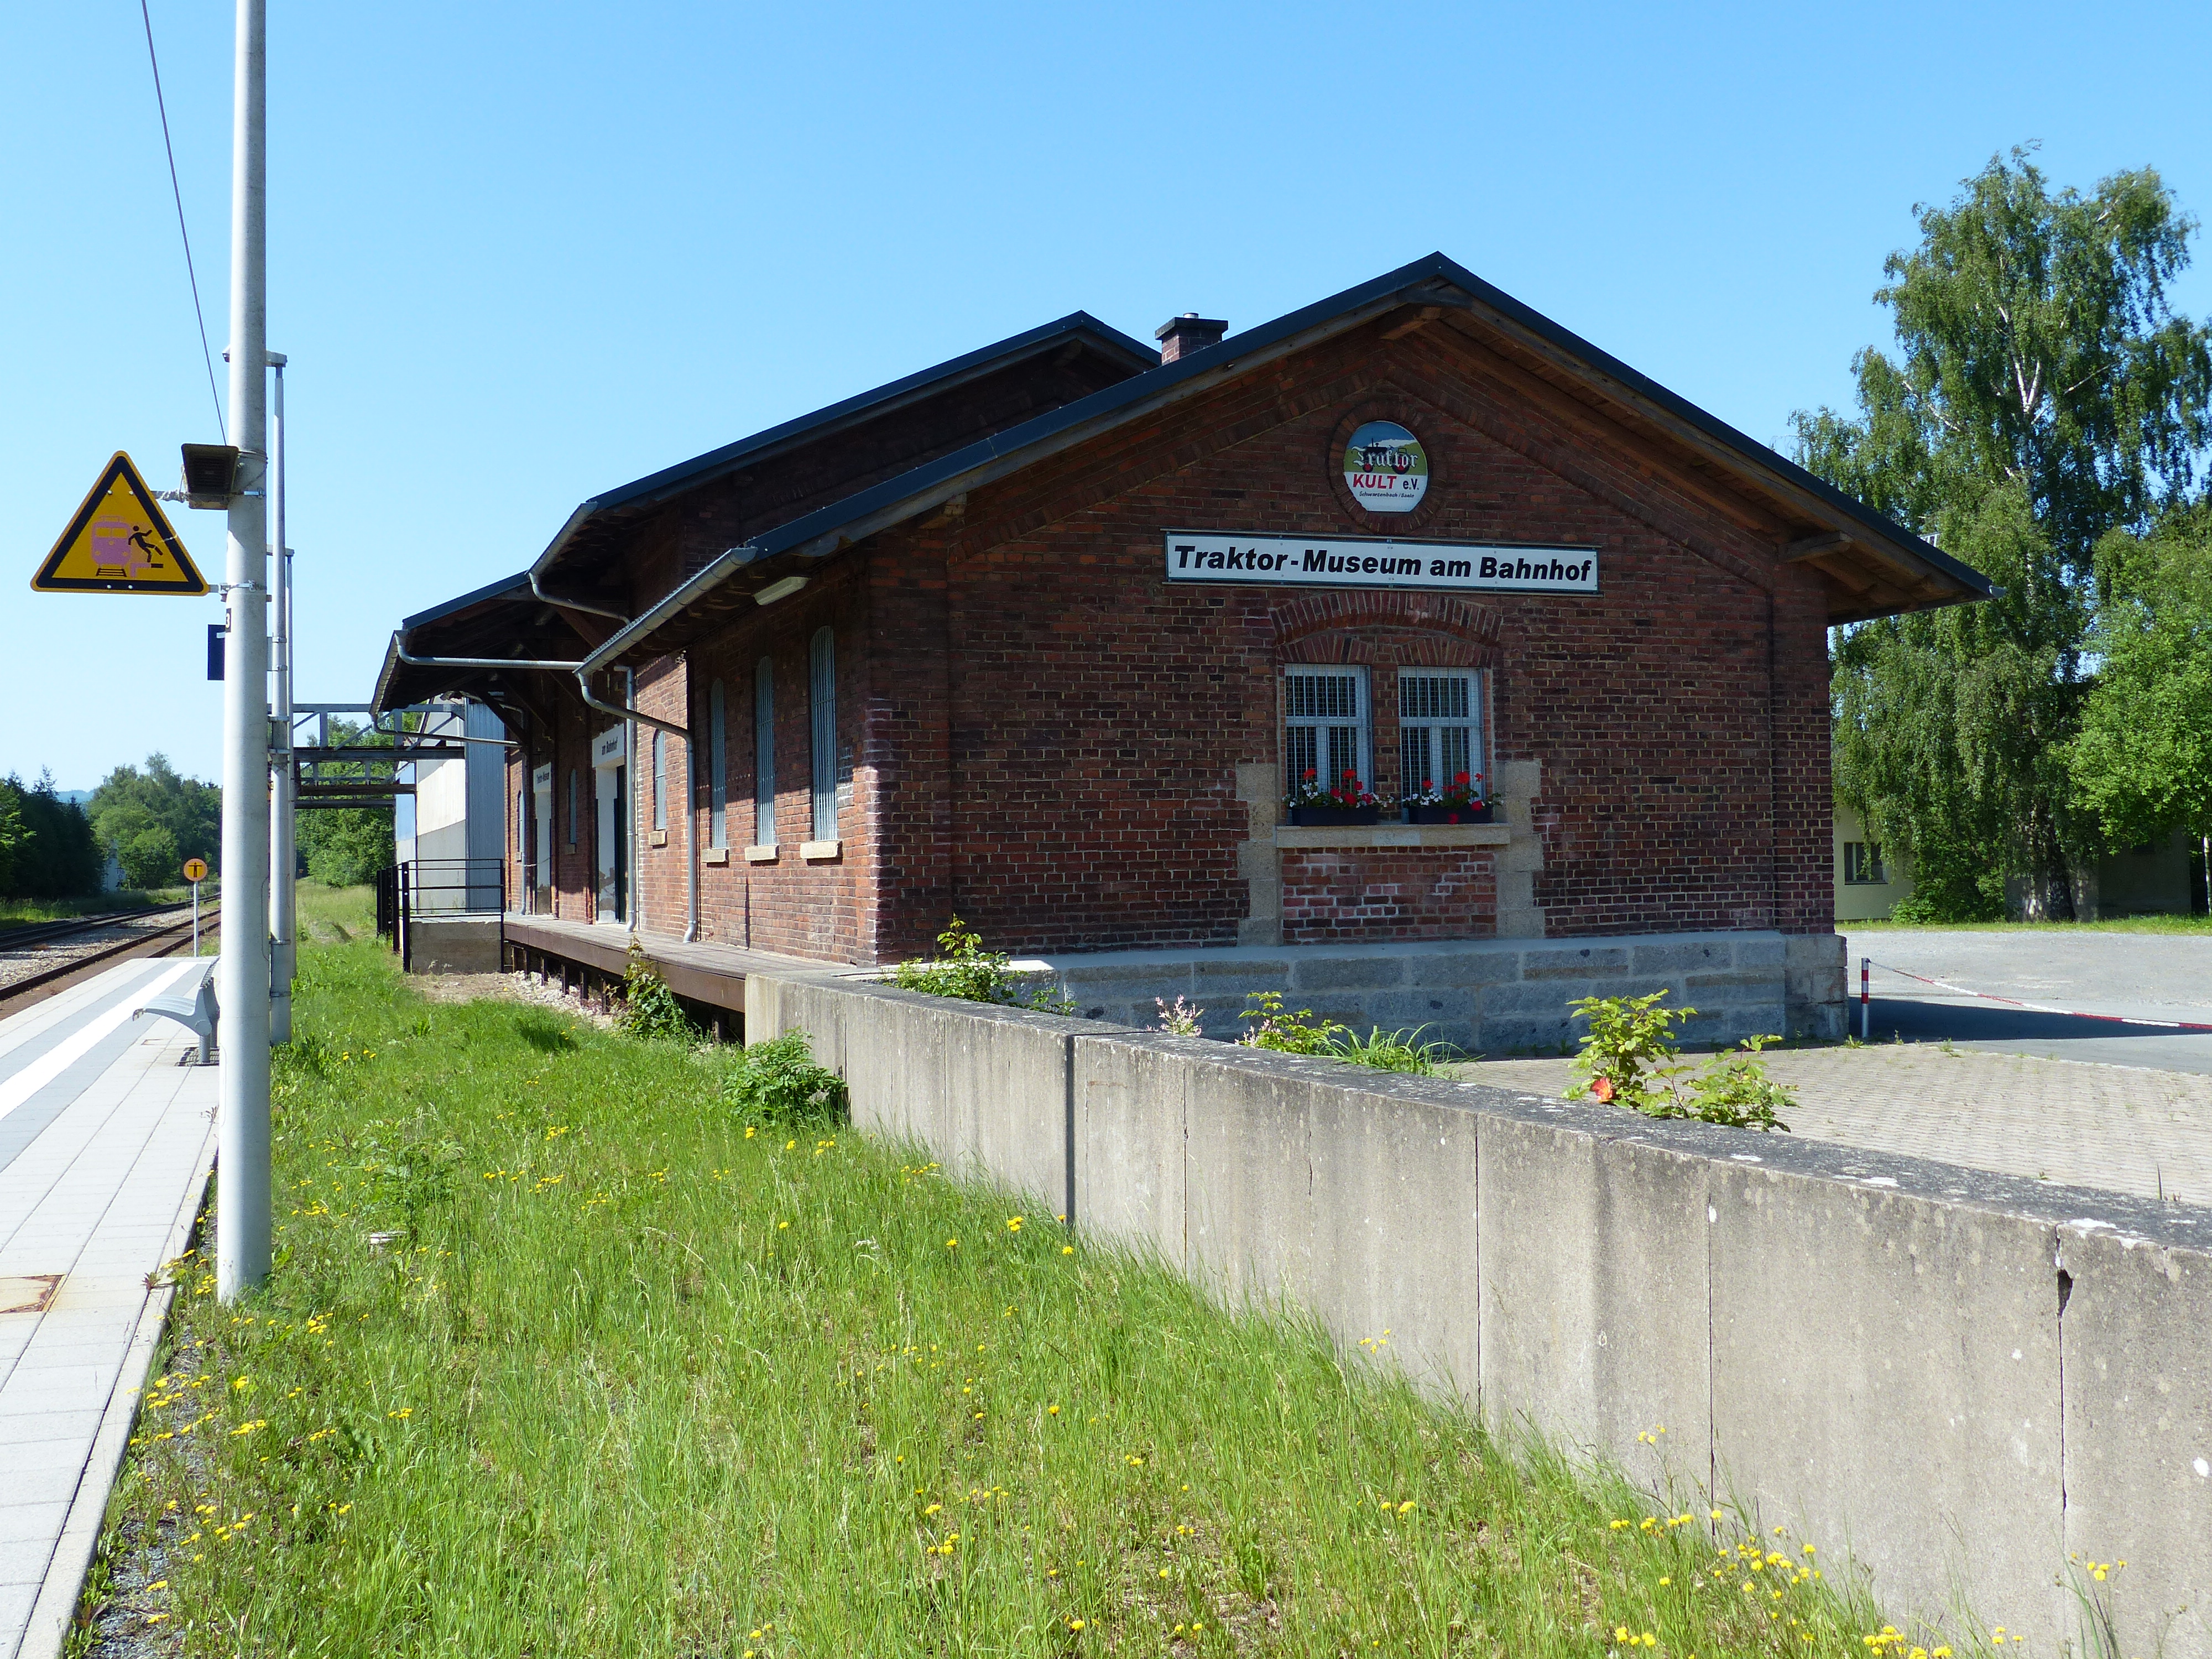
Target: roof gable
(1871, 565)
(801, 465)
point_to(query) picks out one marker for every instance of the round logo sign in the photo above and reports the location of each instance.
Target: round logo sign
(195, 869)
(1386, 468)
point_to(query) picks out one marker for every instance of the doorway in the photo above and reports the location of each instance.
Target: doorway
(613, 843)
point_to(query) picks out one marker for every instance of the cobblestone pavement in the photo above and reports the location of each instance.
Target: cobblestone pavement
(2121, 1128)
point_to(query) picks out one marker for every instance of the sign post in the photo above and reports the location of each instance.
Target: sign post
(195, 871)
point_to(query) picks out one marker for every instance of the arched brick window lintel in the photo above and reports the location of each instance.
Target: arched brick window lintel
(1438, 631)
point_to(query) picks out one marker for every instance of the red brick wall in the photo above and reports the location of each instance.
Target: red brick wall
(1336, 895)
(1060, 769)
(793, 905)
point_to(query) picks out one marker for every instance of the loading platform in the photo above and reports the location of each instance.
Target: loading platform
(590, 957)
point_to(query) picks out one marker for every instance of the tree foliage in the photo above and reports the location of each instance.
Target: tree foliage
(150, 820)
(47, 846)
(2142, 761)
(2043, 394)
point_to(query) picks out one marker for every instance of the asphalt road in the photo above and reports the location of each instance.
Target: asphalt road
(2142, 977)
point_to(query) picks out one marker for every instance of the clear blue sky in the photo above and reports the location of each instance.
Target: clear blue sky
(520, 254)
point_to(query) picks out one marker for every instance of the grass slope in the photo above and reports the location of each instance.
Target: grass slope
(632, 1377)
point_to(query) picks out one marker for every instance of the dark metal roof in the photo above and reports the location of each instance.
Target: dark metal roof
(515, 586)
(503, 618)
(1129, 355)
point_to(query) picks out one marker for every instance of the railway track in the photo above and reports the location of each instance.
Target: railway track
(19, 935)
(165, 939)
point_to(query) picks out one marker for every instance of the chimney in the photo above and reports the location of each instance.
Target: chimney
(1180, 335)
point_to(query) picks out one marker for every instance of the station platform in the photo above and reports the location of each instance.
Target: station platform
(583, 955)
(106, 1137)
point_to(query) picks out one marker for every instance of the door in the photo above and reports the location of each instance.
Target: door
(541, 797)
(613, 844)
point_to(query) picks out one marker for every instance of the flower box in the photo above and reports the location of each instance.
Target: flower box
(1451, 814)
(1334, 817)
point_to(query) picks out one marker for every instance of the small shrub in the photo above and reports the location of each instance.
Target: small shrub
(1182, 1019)
(650, 1009)
(1735, 1089)
(1629, 1060)
(963, 969)
(1394, 1051)
(779, 1083)
(1915, 910)
(1287, 1034)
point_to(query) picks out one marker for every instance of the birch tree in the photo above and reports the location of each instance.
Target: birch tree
(2043, 393)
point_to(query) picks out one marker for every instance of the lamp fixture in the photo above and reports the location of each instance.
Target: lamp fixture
(782, 590)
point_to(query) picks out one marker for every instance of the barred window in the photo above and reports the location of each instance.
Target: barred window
(1439, 729)
(1325, 725)
(660, 780)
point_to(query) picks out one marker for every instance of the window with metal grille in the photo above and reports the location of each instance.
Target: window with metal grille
(1439, 729)
(821, 708)
(765, 754)
(718, 767)
(1324, 724)
(660, 780)
(1862, 865)
(573, 788)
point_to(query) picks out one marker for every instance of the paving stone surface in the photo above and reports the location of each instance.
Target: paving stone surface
(2121, 1128)
(105, 1134)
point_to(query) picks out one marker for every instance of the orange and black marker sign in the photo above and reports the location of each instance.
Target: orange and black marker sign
(120, 542)
(195, 869)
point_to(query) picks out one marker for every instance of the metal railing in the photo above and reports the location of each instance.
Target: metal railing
(427, 887)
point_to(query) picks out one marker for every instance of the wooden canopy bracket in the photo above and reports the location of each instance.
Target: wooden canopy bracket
(1811, 547)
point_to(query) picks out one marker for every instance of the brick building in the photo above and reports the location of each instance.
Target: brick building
(1044, 636)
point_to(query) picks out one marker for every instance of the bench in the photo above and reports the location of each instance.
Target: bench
(191, 1005)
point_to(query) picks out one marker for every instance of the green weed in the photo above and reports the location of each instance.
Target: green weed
(643, 1378)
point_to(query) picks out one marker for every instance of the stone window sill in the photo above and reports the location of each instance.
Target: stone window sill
(718, 855)
(761, 855)
(659, 837)
(1393, 836)
(816, 852)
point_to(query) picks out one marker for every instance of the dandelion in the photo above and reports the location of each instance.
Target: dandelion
(1067, 1249)
(1013, 1224)
(1075, 1624)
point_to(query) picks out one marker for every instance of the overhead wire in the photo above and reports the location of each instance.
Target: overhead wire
(207, 356)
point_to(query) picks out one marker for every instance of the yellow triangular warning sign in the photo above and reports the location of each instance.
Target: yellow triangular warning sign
(119, 543)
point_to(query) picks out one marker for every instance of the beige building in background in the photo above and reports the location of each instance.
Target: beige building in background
(2140, 881)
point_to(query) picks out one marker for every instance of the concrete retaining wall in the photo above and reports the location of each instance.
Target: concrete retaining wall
(1958, 1378)
(1491, 996)
(453, 944)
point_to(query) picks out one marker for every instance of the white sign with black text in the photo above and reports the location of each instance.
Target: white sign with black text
(1374, 562)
